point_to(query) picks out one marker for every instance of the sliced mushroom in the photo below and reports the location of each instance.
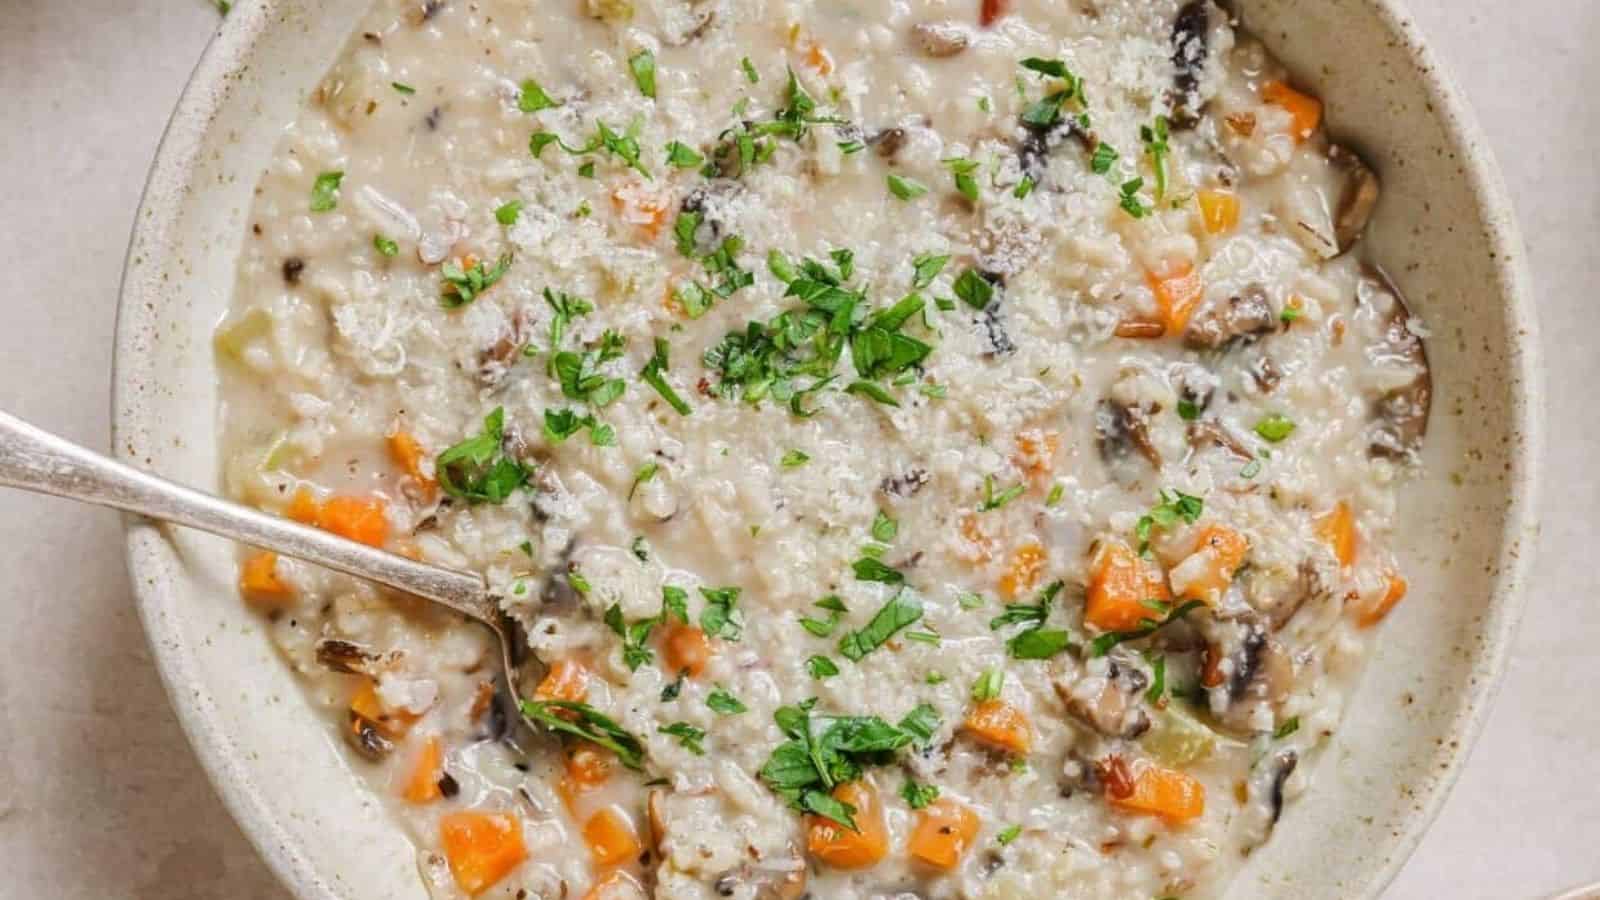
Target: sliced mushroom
(366, 739)
(1190, 45)
(941, 40)
(497, 360)
(1265, 373)
(1264, 789)
(1121, 429)
(1399, 411)
(1358, 198)
(906, 484)
(994, 331)
(888, 142)
(1258, 671)
(1207, 434)
(345, 656)
(1038, 143)
(1105, 694)
(1227, 321)
(764, 883)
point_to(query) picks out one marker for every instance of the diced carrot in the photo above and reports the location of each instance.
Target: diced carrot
(567, 680)
(1002, 725)
(1177, 295)
(1392, 596)
(944, 832)
(1219, 210)
(1119, 585)
(303, 506)
(617, 885)
(1036, 451)
(842, 848)
(482, 848)
(423, 785)
(992, 11)
(979, 547)
(357, 518)
(1208, 571)
(589, 765)
(1211, 667)
(610, 837)
(1304, 109)
(687, 649)
(1149, 788)
(259, 581)
(1022, 575)
(818, 59)
(1337, 529)
(365, 703)
(639, 206)
(408, 455)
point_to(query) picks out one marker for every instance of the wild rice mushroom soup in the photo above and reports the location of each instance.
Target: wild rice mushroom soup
(935, 448)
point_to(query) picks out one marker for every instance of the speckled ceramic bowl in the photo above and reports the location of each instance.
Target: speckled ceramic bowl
(1444, 230)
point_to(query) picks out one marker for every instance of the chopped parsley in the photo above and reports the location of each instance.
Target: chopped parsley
(1130, 200)
(1102, 645)
(724, 703)
(1173, 507)
(794, 459)
(1046, 112)
(1290, 726)
(1105, 156)
(560, 424)
(822, 752)
(926, 268)
(1275, 427)
(906, 188)
(720, 618)
(1024, 188)
(869, 569)
(325, 192)
(464, 285)
(533, 98)
(654, 374)
(988, 685)
(1057, 491)
(406, 89)
(821, 668)
(683, 156)
(1035, 641)
(1188, 410)
(992, 501)
(690, 737)
(645, 473)
(508, 212)
(902, 610)
(584, 721)
(884, 528)
(477, 470)
(635, 652)
(580, 376)
(623, 146)
(918, 796)
(385, 246)
(824, 627)
(975, 289)
(750, 73)
(1008, 835)
(643, 67)
(1154, 137)
(1158, 678)
(962, 170)
(1289, 314)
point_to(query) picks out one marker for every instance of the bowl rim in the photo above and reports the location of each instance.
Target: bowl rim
(226, 56)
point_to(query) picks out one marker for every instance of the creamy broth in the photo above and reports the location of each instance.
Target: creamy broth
(940, 449)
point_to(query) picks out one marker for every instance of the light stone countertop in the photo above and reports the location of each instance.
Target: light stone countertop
(100, 796)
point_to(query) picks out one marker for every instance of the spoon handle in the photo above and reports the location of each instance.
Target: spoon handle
(35, 460)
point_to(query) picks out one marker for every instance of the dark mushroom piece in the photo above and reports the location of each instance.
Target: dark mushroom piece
(1206, 434)
(758, 883)
(366, 739)
(345, 656)
(1258, 671)
(906, 484)
(1110, 703)
(496, 361)
(940, 40)
(994, 331)
(1039, 142)
(888, 142)
(1190, 45)
(1122, 429)
(1225, 322)
(1265, 792)
(1400, 414)
(1264, 371)
(1357, 199)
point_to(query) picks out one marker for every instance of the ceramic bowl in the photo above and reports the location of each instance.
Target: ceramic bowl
(1444, 230)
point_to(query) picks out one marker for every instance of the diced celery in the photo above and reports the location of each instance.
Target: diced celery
(1177, 739)
(232, 339)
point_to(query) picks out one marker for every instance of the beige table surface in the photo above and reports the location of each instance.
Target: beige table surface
(99, 794)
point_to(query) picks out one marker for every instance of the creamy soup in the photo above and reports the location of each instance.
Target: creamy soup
(934, 448)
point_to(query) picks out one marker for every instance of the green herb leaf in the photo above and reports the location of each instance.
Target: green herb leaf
(1007, 836)
(724, 703)
(1154, 137)
(750, 73)
(1188, 410)
(988, 685)
(1158, 678)
(643, 66)
(821, 667)
(869, 569)
(794, 459)
(884, 528)
(1038, 643)
(720, 618)
(974, 289)
(385, 246)
(1057, 491)
(645, 473)
(1023, 188)
(992, 501)
(683, 156)
(476, 470)
(1290, 726)
(1105, 156)
(533, 98)
(654, 374)
(1275, 427)
(1103, 644)
(690, 737)
(1174, 506)
(325, 191)
(902, 610)
(589, 724)
(926, 268)
(508, 212)
(906, 188)
(406, 89)
(462, 286)
(921, 722)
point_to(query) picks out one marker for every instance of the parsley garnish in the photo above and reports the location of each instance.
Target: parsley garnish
(385, 246)
(1103, 644)
(508, 212)
(1275, 427)
(1130, 200)
(689, 736)
(750, 73)
(645, 473)
(1056, 492)
(724, 703)
(823, 752)
(403, 88)
(683, 156)
(824, 627)
(1188, 410)
(991, 500)
(720, 618)
(1046, 112)
(1105, 156)
(579, 373)
(821, 668)
(643, 67)
(869, 569)
(560, 424)
(902, 610)
(884, 528)
(1158, 679)
(975, 289)
(906, 188)
(918, 796)
(476, 470)
(962, 170)
(794, 459)
(1155, 146)
(1007, 836)
(1290, 726)
(325, 191)
(654, 374)
(988, 685)
(634, 651)
(462, 286)
(533, 98)
(1167, 513)
(926, 268)
(589, 724)
(1024, 188)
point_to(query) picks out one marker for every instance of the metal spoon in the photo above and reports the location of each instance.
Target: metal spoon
(35, 460)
